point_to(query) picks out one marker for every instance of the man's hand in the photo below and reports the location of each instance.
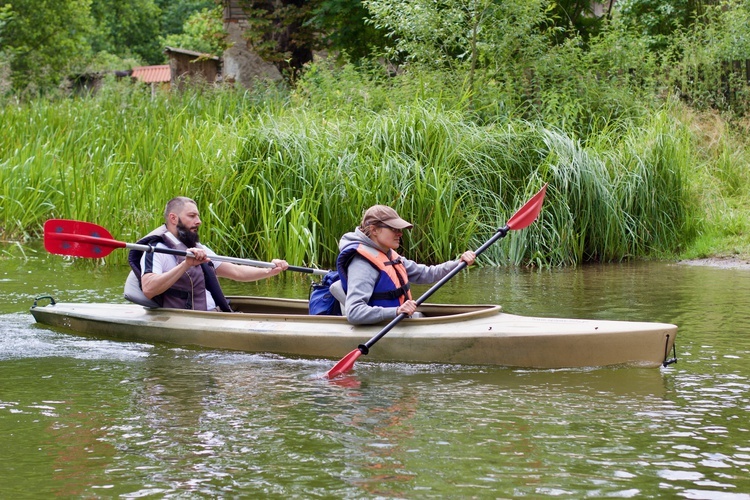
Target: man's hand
(281, 264)
(199, 257)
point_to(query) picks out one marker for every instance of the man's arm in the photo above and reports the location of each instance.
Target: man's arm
(156, 283)
(248, 273)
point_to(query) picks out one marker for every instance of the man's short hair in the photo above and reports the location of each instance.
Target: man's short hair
(175, 205)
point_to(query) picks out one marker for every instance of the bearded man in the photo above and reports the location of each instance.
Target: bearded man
(174, 281)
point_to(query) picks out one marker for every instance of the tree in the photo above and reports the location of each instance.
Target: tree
(203, 32)
(462, 34)
(128, 27)
(658, 19)
(343, 27)
(450, 33)
(43, 41)
(175, 13)
(279, 32)
(575, 18)
(287, 32)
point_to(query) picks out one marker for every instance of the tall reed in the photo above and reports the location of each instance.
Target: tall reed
(275, 177)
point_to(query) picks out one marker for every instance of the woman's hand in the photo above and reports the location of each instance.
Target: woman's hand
(468, 257)
(409, 307)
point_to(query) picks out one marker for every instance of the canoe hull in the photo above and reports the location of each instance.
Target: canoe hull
(478, 335)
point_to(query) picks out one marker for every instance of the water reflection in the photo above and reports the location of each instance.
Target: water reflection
(82, 417)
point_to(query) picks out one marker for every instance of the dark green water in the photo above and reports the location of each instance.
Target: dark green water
(98, 419)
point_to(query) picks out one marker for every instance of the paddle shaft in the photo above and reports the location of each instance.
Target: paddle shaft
(233, 260)
(94, 240)
(365, 348)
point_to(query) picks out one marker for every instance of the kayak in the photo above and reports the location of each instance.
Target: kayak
(447, 333)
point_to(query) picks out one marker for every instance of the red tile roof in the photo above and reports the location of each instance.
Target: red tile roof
(152, 74)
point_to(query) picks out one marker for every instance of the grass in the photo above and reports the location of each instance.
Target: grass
(278, 175)
(720, 181)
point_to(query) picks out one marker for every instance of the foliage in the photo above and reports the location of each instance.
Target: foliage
(608, 84)
(344, 30)
(107, 63)
(706, 62)
(495, 39)
(329, 88)
(127, 28)
(174, 13)
(43, 41)
(450, 33)
(657, 20)
(5, 15)
(203, 32)
(574, 18)
(280, 33)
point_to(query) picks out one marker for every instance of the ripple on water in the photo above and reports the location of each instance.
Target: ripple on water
(21, 338)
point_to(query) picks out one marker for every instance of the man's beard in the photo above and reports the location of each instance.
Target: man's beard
(186, 236)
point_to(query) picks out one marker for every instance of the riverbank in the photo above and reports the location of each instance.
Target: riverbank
(724, 262)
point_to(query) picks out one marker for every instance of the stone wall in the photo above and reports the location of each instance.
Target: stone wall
(240, 64)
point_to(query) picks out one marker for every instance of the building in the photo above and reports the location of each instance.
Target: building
(155, 76)
(184, 66)
(189, 65)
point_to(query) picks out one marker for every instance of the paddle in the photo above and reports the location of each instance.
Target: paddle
(521, 219)
(84, 239)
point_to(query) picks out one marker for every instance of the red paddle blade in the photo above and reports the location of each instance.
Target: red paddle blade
(529, 212)
(78, 238)
(343, 366)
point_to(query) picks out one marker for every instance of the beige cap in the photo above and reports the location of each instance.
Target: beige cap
(384, 215)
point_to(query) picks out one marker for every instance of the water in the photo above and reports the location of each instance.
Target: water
(89, 418)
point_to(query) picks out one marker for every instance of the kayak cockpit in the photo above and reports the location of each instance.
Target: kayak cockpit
(297, 307)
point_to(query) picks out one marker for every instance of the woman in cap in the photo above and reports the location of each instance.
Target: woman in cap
(375, 278)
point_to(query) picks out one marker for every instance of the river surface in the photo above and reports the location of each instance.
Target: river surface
(81, 417)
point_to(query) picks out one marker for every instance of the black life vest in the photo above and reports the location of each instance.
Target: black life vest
(189, 291)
